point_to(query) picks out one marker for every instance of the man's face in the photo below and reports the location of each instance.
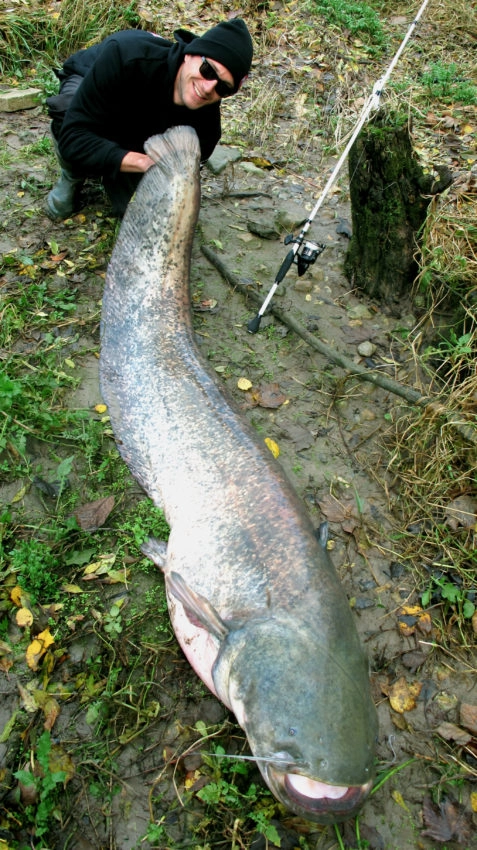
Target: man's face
(191, 89)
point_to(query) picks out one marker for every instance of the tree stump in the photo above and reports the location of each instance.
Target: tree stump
(388, 206)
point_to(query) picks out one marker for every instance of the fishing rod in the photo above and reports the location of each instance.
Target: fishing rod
(305, 253)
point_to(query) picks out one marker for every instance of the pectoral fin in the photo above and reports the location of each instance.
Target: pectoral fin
(197, 607)
(155, 550)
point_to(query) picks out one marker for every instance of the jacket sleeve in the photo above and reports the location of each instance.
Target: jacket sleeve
(92, 116)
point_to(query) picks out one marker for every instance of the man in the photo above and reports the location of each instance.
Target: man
(115, 95)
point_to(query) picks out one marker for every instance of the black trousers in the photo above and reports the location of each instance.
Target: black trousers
(119, 189)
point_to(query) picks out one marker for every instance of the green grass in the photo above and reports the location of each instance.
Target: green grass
(361, 20)
(35, 35)
(444, 82)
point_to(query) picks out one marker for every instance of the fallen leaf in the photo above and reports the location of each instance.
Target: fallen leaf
(59, 760)
(399, 799)
(451, 732)
(448, 822)
(468, 717)
(93, 515)
(461, 511)
(28, 700)
(20, 494)
(72, 588)
(37, 648)
(206, 306)
(99, 567)
(244, 384)
(16, 595)
(270, 396)
(24, 617)
(272, 445)
(344, 512)
(402, 696)
(100, 408)
(411, 617)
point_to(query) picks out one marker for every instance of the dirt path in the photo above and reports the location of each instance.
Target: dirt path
(333, 439)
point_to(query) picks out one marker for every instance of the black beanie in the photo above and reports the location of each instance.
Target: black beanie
(230, 44)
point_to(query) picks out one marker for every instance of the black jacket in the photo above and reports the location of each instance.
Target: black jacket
(127, 96)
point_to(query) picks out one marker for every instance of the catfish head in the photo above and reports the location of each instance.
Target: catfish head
(300, 691)
(307, 712)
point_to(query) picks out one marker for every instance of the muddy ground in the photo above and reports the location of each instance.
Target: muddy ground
(334, 437)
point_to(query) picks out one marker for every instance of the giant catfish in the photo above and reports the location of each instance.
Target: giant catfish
(254, 600)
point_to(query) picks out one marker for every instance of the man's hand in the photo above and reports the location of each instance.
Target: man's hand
(137, 163)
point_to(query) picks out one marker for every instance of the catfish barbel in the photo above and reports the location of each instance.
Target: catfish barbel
(254, 600)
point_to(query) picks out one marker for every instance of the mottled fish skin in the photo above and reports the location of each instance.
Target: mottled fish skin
(243, 567)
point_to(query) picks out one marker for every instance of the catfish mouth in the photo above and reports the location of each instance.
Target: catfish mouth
(317, 801)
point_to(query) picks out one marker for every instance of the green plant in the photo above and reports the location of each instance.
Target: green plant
(45, 780)
(359, 18)
(443, 83)
(456, 599)
(38, 569)
(142, 521)
(231, 789)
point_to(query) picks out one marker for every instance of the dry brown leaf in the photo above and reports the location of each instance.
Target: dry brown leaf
(468, 717)
(269, 395)
(93, 515)
(451, 732)
(344, 512)
(446, 823)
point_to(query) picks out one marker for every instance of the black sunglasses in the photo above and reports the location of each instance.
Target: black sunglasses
(222, 88)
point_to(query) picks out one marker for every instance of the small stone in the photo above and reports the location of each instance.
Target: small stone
(221, 157)
(366, 348)
(264, 227)
(303, 285)
(14, 100)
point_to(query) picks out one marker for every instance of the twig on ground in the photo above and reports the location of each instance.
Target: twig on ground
(412, 396)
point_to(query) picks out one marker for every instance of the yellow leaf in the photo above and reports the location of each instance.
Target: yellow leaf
(70, 363)
(91, 568)
(37, 648)
(467, 128)
(473, 801)
(100, 566)
(46, 637)
(244, 384)
(116, 576)
(272, 446)
(20, 494)
(403, 696)
(16, 596)
(59, 760)
(24, 617)
(399, 799)
(72, 588)
(100, 408)
(191, 779)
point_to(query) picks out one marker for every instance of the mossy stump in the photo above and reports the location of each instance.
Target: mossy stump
(388, 206)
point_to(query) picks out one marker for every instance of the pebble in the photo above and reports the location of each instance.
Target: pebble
(366, 348)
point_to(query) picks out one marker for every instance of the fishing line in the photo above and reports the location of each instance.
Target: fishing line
(304, 253)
